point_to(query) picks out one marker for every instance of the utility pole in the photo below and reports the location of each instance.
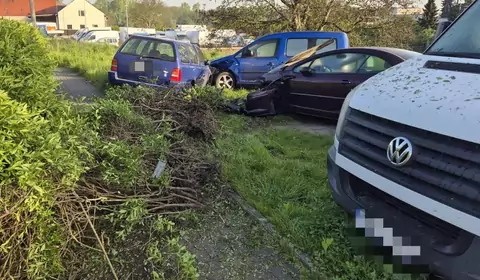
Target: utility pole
(32, 13)
(126, 15)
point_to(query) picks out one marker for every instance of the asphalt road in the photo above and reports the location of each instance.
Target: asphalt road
(74, 85)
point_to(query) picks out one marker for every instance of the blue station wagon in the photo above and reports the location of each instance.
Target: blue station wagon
(158, 62)
(247, 66)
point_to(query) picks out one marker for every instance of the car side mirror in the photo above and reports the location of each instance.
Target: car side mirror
(207, 62)
(306, 71)
(247, 53)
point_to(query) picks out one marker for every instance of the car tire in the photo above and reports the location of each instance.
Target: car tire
(225, 80)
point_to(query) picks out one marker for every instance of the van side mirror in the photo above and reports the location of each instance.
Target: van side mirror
(442, 26)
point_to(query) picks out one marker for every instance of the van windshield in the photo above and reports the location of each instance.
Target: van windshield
(462, 38)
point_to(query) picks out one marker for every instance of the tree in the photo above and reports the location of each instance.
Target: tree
(365, 21)
(447, 6)
(196, 7)
(457, 8)
(147, 13)
(429, 18)
(186, 15)
(297, 15)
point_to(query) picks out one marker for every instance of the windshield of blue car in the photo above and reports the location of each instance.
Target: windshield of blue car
(462, 38)
(149, 48)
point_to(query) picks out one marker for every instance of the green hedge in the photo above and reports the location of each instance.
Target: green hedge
(42, 155)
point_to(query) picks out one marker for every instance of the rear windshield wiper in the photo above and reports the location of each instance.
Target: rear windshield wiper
(455, 54)
(147, 56)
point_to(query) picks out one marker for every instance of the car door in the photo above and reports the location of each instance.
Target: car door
(372, 66)
(322, 83)
(204, 73)
(189, 64)
(163, 58)
(128, 56)
(257, 59)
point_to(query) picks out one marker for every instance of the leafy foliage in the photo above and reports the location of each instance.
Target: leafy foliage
(451, 9)
(148, 13)
(43, 154)
(366, 22)
(67, 170)
(429, 18)
(26, 80)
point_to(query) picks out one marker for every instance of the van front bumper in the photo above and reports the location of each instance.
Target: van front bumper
(351, 193)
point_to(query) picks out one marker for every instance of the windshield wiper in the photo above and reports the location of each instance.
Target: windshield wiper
(147, 56)
(454, 54)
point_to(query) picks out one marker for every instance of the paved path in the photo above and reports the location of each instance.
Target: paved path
(74, 85)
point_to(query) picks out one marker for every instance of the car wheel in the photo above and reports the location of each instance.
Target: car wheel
(225, 80)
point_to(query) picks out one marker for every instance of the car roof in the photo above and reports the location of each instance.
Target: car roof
(300, 34)
(402, 53)
(160, 39)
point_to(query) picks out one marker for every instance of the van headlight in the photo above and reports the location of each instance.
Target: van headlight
(343, 114)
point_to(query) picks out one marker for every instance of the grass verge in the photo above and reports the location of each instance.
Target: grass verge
(283, 174)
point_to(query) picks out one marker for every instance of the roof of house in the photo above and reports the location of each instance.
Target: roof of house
(50, 11)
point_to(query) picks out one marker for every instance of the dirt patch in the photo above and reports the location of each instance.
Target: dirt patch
(229, 244)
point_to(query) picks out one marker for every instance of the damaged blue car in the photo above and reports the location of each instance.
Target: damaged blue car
(247, 66)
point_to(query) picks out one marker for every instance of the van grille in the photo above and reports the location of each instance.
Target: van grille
(443, 168)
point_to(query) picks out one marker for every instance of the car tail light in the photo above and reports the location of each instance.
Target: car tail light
(114, 65)
(176, 75)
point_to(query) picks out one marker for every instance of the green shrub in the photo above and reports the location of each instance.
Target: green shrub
(36, 167)
(26, 65)
(54, 156)
(42, 155)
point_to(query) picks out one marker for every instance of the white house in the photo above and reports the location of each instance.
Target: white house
(80, 14)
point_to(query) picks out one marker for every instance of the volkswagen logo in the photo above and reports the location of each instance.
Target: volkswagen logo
(399, 151)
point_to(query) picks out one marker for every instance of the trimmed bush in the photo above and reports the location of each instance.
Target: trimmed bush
(42, 155)
(26, 65)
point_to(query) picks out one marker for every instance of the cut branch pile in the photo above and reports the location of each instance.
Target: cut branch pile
(186, 121)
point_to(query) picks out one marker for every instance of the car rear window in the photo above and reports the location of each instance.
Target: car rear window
(157, 49)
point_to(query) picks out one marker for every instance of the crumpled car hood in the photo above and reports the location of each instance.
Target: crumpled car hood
(441, 101)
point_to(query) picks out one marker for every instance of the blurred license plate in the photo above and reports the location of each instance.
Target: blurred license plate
(139, 66)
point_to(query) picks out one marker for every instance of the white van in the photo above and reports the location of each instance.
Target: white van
(83, 32)
(79, 32)
(407, 151)
(126, 32)
(102, 36)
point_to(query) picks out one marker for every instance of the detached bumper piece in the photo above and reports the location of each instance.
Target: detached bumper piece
(259, 103)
